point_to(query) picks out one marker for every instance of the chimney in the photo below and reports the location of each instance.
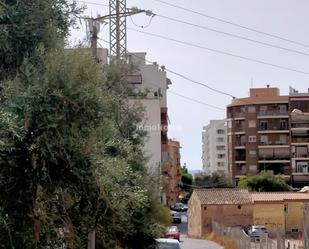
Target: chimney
(268, 86)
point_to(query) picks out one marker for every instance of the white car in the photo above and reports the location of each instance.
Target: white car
(168, 244)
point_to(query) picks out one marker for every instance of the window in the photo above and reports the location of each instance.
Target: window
(263, 109)
(220, 139)
(221, 156)
(263, 125)
(264, 139)
(283, 124)
(251, 109)
(220, 164)
(283, 139)
(252, 139)
(220, 131)
(220, 147)
(283, 109)
(252, 153)
(253, 168)
(302, 167)
(252, 124)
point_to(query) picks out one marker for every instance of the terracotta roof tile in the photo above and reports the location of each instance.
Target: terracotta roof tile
(223, 196)
(278, 196)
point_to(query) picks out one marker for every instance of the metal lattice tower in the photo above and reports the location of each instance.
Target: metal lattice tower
(118, 28)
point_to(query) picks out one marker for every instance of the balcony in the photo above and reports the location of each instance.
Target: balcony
(282, 168)
(300, 140)
(275, 155)
(273, 114)
(239, 115)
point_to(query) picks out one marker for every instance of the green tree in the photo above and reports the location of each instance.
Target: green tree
(186, 178)
(264, 181)
(26, 26)
(213, 180)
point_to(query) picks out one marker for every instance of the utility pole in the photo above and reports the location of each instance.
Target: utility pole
(118, 28)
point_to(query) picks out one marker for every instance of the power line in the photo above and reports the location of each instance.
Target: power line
(86, 2)
(197, 101)
(232, 35)
(220, 52)
(188, 79)
(234, 24)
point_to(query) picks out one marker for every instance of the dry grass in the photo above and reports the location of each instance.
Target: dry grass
(226, 242)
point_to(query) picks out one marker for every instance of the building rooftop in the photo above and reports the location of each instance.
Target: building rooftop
(261, 96)
(224, 196)
(278, 196)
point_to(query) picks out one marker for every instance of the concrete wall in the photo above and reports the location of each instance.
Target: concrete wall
(194, 217)
(151, 124)
(275, 218)
(227, 215)
(269, 214)
(294, 216)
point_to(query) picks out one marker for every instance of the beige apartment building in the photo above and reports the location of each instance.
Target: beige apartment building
(269, 131)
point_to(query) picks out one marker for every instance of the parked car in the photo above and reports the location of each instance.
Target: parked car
(179, 207)
(172, 232)
(257, 231)
(176, 217)
(168, 244)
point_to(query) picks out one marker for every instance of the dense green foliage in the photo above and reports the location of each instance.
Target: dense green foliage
(71, 158)
(27, 25)
(214, 180)
(264, 182)
(186, 179)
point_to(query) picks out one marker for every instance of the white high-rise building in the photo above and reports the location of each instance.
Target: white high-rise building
(215, 155)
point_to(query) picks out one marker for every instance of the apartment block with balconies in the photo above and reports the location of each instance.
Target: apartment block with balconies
(299, 122)
(259, 134)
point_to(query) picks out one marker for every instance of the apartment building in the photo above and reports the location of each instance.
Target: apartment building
(214, 148)
(299, 123)
(269, 131)
(149, 84)
(171, 172)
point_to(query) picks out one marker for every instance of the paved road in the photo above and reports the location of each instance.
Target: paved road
(187, 243)
(198, 244)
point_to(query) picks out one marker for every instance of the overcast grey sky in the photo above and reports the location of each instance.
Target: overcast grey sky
(285, 18)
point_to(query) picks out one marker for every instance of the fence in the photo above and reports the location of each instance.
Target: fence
(243, 241)
(306, 226)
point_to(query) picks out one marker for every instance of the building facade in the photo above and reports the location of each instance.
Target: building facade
(214, 148)
(280, 212)
(268, 131)
(171, 172)
(149, 84)
(228, 207)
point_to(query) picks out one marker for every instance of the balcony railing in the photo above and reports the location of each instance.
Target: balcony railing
(274, 143)
(273, 157)
(300, 125)
(273, 113)
(239, 114)
(300, 140)
(239, 128)
(240, 143)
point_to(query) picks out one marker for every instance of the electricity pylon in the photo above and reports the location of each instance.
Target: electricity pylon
(118, 28)
(118, 13)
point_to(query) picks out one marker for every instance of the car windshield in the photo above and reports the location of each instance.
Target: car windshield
(172, 229)
(168, 245)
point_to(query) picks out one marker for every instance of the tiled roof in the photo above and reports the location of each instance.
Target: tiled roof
(223, 196)
(278, 196)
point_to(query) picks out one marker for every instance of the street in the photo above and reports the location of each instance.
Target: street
(187, 243)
